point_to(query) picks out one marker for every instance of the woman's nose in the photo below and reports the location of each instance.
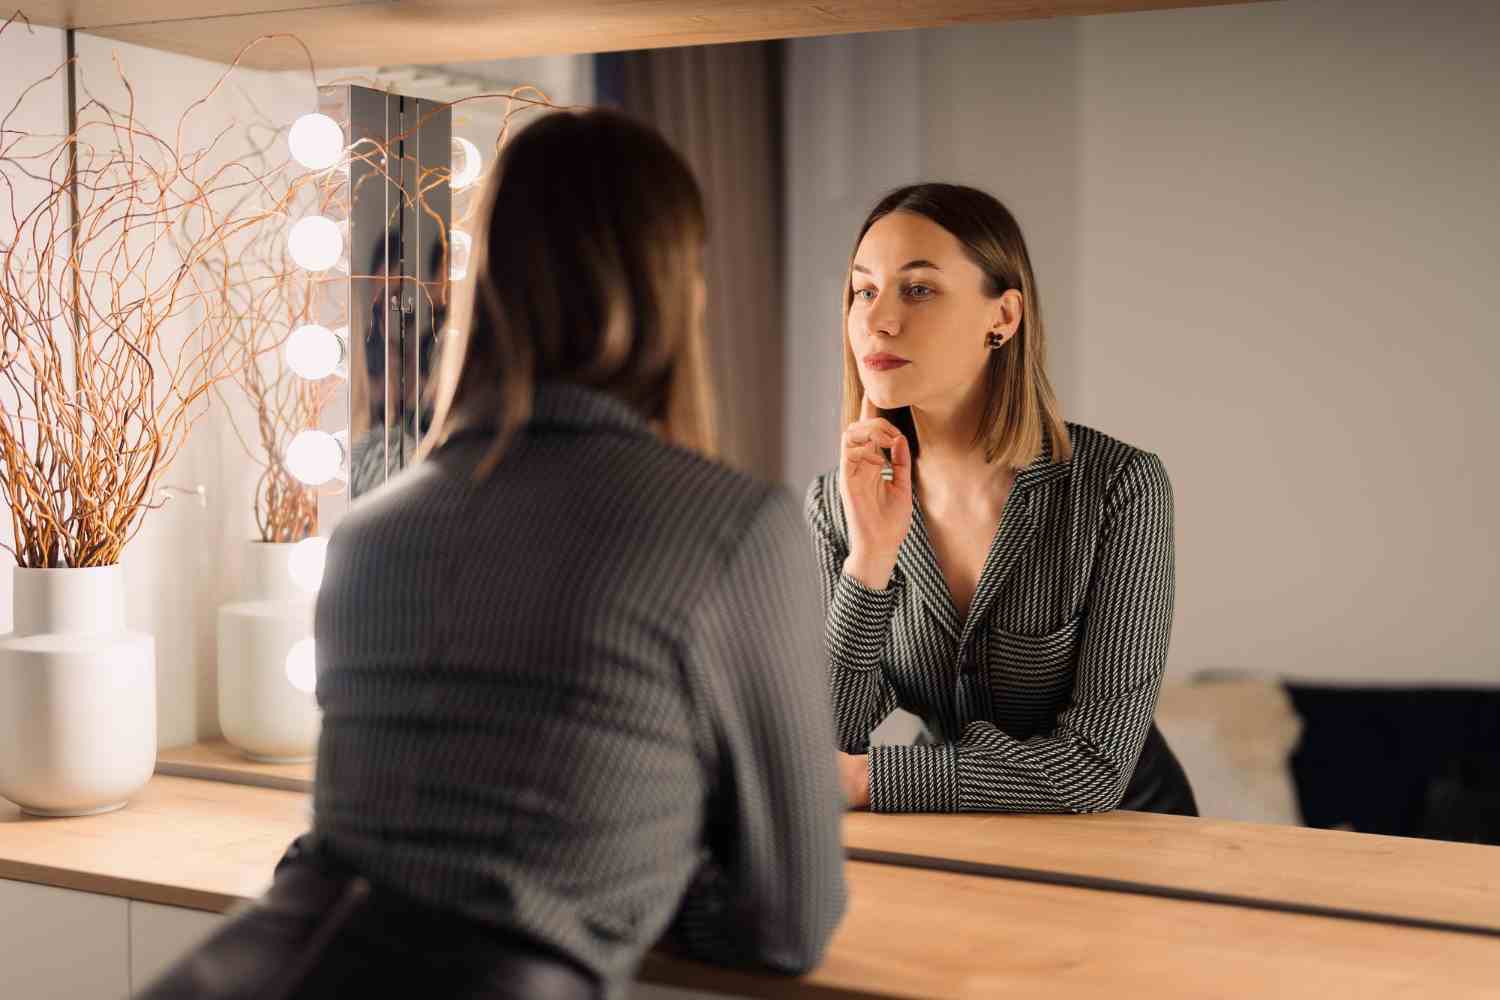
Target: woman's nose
(882, 322)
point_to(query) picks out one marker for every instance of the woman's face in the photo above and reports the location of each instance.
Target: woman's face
(919, 316)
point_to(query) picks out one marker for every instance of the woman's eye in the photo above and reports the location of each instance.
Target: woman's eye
(919, 291)
(864, 294)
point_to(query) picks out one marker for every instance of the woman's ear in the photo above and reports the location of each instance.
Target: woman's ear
(1005, 314)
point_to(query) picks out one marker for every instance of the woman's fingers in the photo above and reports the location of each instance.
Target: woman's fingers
(866, 430)
(901, 465)
(864, 454)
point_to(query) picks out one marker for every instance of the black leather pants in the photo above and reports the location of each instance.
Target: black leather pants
(324, 931)
(1159, 784)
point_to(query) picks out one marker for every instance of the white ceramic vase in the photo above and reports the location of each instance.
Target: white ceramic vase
(77, 695)
(266, 707)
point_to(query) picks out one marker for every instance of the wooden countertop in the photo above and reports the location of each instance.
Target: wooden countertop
(1404, 876)
(908, 932)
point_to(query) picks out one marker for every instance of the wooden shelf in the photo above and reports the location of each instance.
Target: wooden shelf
(907, 933)
(343, 33)
(1398, 876)
(218, 761)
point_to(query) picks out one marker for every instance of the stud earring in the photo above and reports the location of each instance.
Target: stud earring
(993, 340)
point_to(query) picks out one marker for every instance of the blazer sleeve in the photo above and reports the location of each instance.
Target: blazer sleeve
(1085, 763)
(772, 890)
(857, 624)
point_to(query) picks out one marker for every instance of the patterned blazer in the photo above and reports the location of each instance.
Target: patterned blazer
(1042, 699)
(573, 700)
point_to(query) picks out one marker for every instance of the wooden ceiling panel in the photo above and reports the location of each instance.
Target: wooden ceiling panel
(449, 31)
(101, 14)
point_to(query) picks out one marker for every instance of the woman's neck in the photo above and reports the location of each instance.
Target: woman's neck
(950, 466)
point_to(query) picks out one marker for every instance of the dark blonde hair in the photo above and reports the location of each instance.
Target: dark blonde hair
(1020, 407)
(585, 264)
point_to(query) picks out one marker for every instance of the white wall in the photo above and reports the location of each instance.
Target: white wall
(27, 56)
(188, 560)
(1266, 239)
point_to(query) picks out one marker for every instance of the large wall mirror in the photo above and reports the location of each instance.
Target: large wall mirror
(1263, 237)
(1274, 275)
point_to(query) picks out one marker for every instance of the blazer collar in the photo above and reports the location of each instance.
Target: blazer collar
(567, 404)
(1012, 539)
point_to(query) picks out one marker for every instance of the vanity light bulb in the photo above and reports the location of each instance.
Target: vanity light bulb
(459, 246)
(314, 457)
(302, 665)
(314, 351)
(316, 141)
(466, 163)
(306, 563)
(315, 243)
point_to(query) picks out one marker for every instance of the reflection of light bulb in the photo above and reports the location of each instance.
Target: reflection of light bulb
(314, 457)
(306, 563)
(316, 141)
(314, 351)
(315, 243)
(459, 246)
(302, 665)
(466, 163)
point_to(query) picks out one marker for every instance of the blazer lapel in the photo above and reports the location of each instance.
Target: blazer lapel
(1012, 540)
(1014, 537)
(919, 565)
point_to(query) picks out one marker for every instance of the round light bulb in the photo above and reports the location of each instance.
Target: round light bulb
(314, 351)
(315, 243)
(316, 141)
(466, 163)
(306, 563)
(459, 246)
(314, 457)
(302, 665)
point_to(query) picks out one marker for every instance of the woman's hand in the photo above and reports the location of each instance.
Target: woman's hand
(854, 776)
(878, 511)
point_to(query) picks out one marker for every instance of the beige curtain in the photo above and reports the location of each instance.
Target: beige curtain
(720, 106)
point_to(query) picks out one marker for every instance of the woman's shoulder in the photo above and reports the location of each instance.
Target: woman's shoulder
(1104, 455)
(1104, 463)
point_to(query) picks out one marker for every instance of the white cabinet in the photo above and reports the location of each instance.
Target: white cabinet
(160, 935)
(57, 944)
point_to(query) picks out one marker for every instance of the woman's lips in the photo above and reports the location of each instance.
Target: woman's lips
(884, 362)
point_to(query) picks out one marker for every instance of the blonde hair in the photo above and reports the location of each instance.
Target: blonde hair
(1021, 410)
(585, 272)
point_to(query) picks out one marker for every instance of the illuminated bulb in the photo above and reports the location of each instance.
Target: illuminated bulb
(306, 563)
(466, 163)
(459, 247)
(302, 665)
(314, 351)
(316, 141)
(314, 457)
(315, 243)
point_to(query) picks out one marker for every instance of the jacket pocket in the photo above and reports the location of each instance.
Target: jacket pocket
(1031, 676)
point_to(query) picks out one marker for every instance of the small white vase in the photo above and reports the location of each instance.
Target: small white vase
(77, 695)
(266, 709)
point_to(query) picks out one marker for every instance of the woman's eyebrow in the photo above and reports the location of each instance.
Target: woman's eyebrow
(908, 266)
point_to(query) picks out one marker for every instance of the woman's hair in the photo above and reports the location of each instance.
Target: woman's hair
(585, 267)
(1020, 406)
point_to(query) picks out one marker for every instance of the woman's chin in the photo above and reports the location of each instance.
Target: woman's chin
(887, 400)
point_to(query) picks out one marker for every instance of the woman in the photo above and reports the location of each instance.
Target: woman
(1003, 574)
(562, 660)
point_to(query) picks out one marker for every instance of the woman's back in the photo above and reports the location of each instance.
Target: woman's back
(550, 693)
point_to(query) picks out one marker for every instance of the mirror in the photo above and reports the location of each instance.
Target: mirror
(1262, 238)
(1275, 281)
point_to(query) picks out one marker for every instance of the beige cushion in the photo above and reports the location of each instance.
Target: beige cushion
(1234, 738)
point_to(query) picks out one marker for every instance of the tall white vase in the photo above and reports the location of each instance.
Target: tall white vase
(266, 708)
(77, 695)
